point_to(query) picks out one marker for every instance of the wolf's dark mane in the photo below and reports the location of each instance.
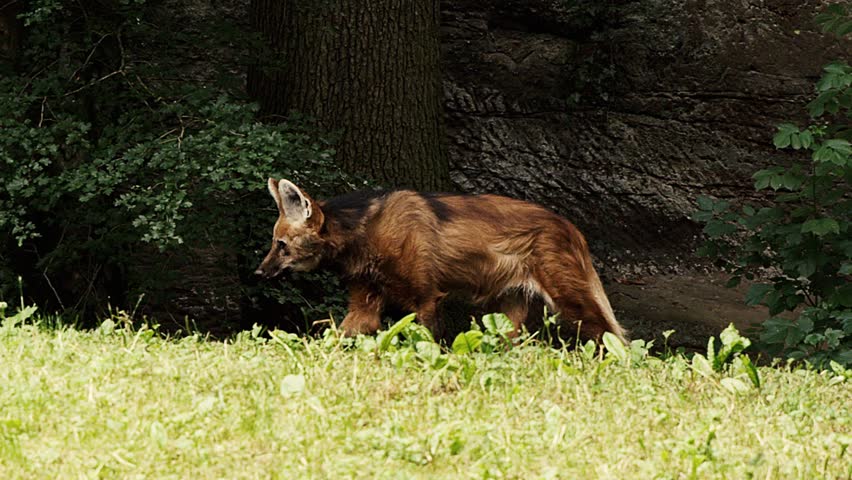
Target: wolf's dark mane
(349, 209)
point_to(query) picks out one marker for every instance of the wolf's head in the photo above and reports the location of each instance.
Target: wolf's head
(296, 241)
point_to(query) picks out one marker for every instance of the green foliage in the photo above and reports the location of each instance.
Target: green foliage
(110, 153)
(467, 342)
(635, 354)
(803, 241)
(17, 319)
(410, 345)
(725, 355)
(386, 338)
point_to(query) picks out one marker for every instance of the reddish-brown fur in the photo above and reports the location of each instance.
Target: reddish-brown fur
(411, 249)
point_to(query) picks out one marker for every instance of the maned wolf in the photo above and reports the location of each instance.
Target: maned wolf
(411, 249)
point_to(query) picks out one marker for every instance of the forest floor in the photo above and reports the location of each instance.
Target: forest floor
(695, 305)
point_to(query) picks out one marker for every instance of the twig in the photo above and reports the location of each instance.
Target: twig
(180, 135)
(12, 2)
(49, 262)
(55, 293)
(94, 82)
(167, 134)
(41, 116)
(90, 287)
(89, 57)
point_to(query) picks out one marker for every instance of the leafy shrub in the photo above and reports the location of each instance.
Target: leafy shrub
(113, 150)
(481, 352)
(803, 240)
(726, 354)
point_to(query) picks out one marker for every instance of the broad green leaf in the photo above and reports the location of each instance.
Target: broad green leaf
(843, 296)
(720, 206)
(776, 182)
(837, 68)
(833, 337)
(615, 347)
(589, 349)
(845, 319)
(497, 324)
(843, 357)
(791, 180)
(836, 151)
(821, 226)
(732, 343)
(757, 292)
(838, 369)
(393, 331)
(705, 203)
(795, 142)
(807, 138)
(711, 350)
(807, 266)
(816, 108)
(839, 145)
(730, 336)
(775, 330)
(762, 178)
(844, 28)
(782, 139)
(467, 342)
(761, 182)
(718, 228)
(701, 366)
(414, 333)
(794, 335)
(775, 301)
(751, 371)
(20, 317)
(107, 327)
(430, 352)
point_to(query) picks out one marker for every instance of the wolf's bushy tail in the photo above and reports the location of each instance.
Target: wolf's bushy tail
(602, 300)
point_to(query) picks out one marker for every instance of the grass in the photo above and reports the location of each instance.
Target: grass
(121, 403)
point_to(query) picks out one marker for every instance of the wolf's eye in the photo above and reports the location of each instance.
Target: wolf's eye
(282, 244)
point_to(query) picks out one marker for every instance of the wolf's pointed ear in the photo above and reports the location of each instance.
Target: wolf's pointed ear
(273, 190)
(296, 206)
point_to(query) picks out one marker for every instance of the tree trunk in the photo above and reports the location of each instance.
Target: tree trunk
(368, 70)
(10, 33)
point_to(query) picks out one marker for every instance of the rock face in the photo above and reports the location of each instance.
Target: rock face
(619, 115)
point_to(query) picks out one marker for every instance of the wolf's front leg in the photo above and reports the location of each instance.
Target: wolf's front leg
(428, 314)
(365, 311)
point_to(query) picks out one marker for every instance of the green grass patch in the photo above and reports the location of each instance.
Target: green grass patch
(119, 402)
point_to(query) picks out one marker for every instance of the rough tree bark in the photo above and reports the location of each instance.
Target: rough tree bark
(368, 70)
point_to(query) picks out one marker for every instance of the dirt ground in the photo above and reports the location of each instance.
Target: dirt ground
(695, 305)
